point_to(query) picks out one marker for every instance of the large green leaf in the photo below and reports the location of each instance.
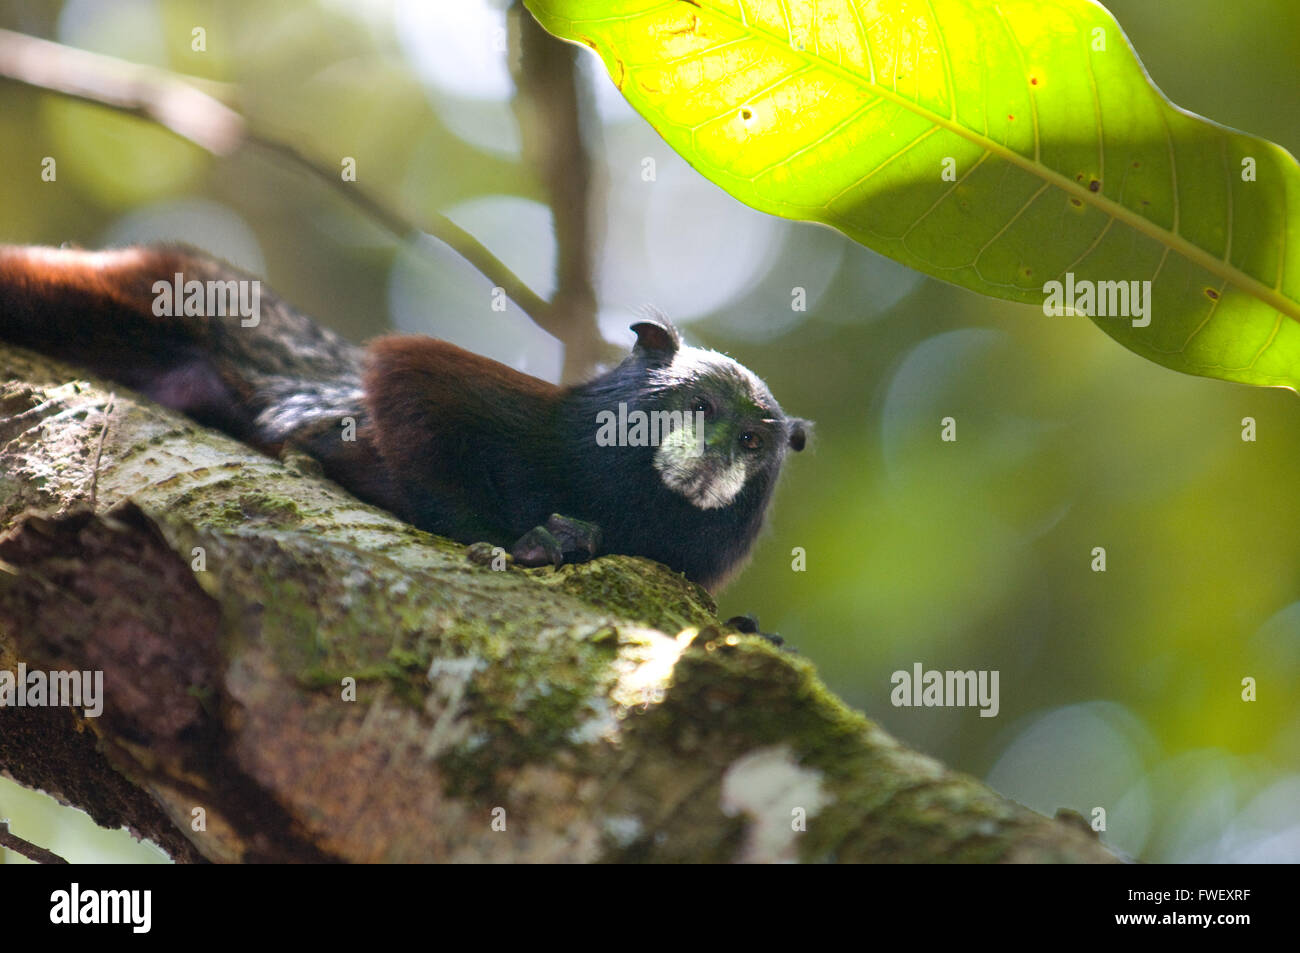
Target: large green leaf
(1063, 156)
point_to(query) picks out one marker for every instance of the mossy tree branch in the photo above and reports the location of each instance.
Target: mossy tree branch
(598, 712)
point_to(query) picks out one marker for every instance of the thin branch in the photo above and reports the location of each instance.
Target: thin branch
(27, 848)
(550, 109)
(441, 228)
(190, 108)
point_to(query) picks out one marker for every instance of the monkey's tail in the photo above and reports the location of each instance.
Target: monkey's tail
(187, 331)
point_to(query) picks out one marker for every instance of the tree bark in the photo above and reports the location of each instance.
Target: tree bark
(595, 713)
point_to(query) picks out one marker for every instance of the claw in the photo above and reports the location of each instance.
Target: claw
(575, 536)
(561, 540)
(538, 547)
(748, 624)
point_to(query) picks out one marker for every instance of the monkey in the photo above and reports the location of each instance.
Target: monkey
(453, 442)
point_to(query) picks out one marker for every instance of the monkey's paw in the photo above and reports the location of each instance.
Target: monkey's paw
(561, 540)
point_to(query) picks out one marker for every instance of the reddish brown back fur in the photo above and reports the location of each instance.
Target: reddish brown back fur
(94, 281)
(454, 428)
(443, 368)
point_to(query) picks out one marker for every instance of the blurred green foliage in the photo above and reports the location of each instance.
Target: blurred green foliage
(1119, 690)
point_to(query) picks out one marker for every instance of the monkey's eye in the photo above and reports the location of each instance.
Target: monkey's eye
(751, 441)
(701, 405)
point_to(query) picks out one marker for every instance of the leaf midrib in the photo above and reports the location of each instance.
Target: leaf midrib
(1175, 242)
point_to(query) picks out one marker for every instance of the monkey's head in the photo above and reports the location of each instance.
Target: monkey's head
(733, 434)
(679, 451)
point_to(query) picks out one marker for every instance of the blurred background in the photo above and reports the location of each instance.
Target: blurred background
(1119, 689)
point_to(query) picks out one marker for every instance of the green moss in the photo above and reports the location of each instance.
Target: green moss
(407, 658)
(408, 687)
(634, 588)
(750, 694)
(528, 705)
(739, 693)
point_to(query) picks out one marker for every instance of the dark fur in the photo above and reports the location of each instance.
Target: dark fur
(451, 441)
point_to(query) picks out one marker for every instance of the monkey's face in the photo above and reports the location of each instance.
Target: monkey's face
(732, 430)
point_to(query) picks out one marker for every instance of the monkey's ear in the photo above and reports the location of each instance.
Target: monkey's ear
(799, 429)
(657, 337)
